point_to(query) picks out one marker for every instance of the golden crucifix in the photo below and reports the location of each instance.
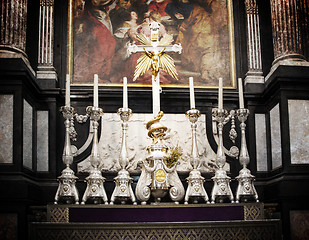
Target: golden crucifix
(154, 58)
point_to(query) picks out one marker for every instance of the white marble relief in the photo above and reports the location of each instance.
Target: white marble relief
(42, 140)
(276, 152)
(27, 135)
(6, 128)
(261, 144)
(179, 132)
(299, 131)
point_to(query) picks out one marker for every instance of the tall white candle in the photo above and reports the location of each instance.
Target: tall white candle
(241, 93)
(125, 93)
(192, 97)
(67, 90)
(220, 97)
(96, 91)
(155, 96)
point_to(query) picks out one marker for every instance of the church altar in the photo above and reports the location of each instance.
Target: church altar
(158, 165)
(164, 212)
(264, 43)
(163, 221)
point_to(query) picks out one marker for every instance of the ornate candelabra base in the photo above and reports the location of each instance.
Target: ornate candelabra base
(67, 188)
(221, 189)
(95, 188)
(196, 188)
(195, 180)
(157, 177)
(158, 194)
(245, 189)
(123, 190)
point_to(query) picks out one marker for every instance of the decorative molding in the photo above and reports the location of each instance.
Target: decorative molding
(253, 212)
(13, 20)
(59, 215)
(46, 69)
(13, 27)
(266, 230)
(255, 72)
(287, 29)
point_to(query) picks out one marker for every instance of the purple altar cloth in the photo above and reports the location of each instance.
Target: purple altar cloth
(154, 214)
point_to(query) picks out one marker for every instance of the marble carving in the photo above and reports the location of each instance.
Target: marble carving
(6, 128)
(179, 131)
(299, 131)
(276, 152)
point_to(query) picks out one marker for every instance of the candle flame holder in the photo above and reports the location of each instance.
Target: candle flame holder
(95, 188)
(123, 189)
(67, 188)
(245, 180)
(221, 188)
(195, 180)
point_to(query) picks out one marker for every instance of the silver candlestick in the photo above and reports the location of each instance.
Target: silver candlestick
(67, 188)
(195, 180)
(245, 187)
(221, 188)
(95, 180)
(123, 189)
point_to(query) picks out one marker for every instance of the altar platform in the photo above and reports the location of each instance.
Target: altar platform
(163, 221)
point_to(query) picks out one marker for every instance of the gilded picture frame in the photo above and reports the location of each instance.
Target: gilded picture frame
(205, 31)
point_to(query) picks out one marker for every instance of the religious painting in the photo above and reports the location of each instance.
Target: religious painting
(100, 32)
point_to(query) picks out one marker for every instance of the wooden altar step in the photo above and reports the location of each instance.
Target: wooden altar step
(155, 213)
(152, 222)
(228, 230)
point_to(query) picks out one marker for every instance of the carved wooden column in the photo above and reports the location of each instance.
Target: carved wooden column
(255, 73)
(13, 22)
(290, 23)
(46, 70)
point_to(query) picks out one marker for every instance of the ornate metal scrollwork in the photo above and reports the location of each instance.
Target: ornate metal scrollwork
(157, 178)
(233, 151)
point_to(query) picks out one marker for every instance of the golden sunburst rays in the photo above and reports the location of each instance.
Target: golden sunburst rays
(142, 66)
(167, 63)
(143, 39)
